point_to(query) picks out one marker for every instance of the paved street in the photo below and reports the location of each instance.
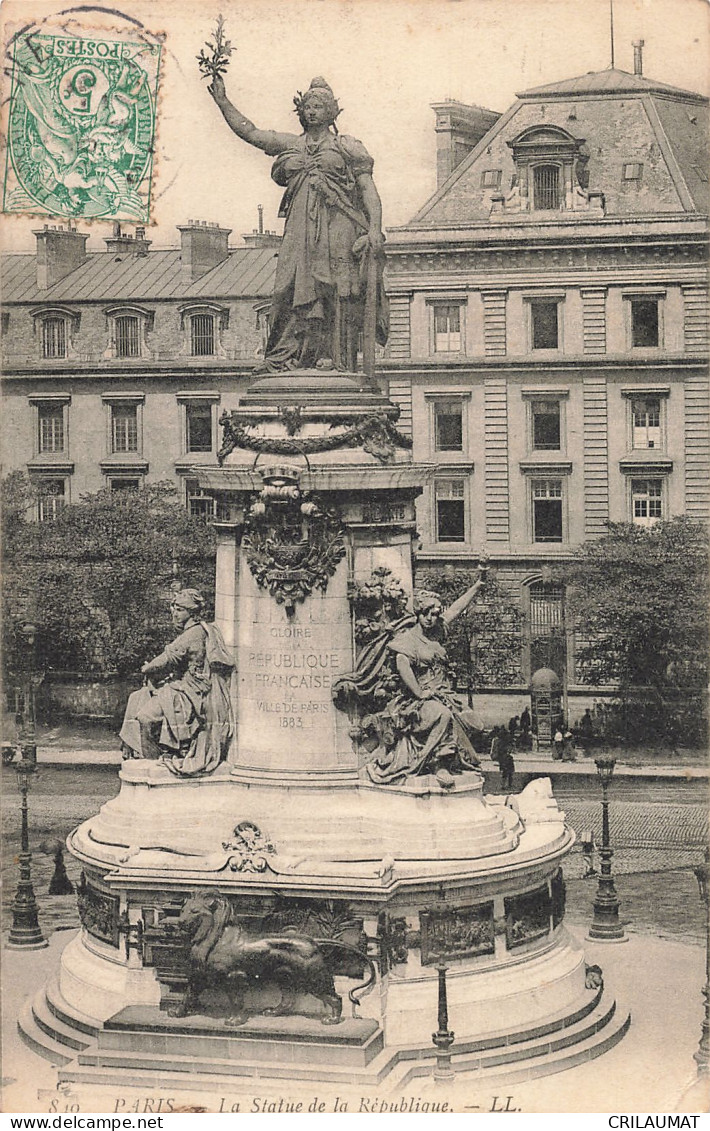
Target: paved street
(658, 831)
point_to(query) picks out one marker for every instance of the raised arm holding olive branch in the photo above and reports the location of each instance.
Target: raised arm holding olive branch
(329, 300)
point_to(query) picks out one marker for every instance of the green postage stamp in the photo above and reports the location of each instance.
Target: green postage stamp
(81, 126)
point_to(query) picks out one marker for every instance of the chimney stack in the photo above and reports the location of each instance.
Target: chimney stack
(202, 247)
(261, 219)
(121, 243)
(59, 252)
(459, 128)
(638, 56)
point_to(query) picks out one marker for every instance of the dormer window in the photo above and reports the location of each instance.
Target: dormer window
(128, 327)
(551, 171)
(54, 337)
(202, 335)
(54, 327)
(202, 324)
(128, 336)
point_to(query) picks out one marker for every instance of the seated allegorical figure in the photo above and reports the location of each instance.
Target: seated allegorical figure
(183, 713)
(402, 687)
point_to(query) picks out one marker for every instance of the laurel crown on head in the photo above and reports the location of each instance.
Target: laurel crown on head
(322, 90)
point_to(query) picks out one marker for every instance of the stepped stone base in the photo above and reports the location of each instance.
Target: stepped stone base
(151, 1050)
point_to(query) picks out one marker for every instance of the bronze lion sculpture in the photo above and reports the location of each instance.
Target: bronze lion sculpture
(223, 956)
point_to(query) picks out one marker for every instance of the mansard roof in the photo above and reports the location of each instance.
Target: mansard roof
(621, 119)
(247, 272)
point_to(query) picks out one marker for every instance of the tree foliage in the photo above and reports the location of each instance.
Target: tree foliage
(484, 643)
(96, 581)
(639, 601)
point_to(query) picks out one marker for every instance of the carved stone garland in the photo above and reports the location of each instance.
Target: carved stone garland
(376, 434)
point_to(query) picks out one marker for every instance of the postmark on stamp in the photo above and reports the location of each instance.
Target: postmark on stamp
(81, 126)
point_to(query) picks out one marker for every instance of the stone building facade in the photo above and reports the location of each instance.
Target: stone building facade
(550, 331)
(118, 363)
(548, 345)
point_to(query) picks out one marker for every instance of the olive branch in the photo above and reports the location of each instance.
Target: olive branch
(220, 49)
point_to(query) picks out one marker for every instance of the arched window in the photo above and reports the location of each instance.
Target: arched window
(55, 327)
(202, 336)
(128, 326)
(546, 187)
(546, 633)
(54, 337)
(128, 336)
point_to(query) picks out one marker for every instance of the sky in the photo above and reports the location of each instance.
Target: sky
(387, 61)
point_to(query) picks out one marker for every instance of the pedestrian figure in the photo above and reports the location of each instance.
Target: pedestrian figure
(525, 721)
(585, 730)
(568, 746)
(558, 744)
(507, 769)
(588, 845)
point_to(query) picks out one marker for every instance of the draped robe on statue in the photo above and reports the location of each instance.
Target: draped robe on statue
(416, 735)
(319, 292)
(190, 714)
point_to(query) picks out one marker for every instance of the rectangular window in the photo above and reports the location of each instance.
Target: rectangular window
(51, 428)
(54, 337)
(52, 497)
(646, 414)
(200, 505)
(447, 328)
(644, 322)
(646, 501)
(490, 178)
(633, 171)
(546, 187)
(198, 419)
(124, 428)
(128, 340)
(202, 335)
(124, 483)
(545, 425)
(545, 330)
(450, 510)
(547, 510)
(448, 426)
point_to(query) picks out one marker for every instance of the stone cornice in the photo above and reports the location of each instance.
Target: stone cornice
(407, 265)
(577, 363)
(620, 230)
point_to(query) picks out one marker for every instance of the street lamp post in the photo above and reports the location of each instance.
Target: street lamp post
(702, 1056)
(25, 933)
(443, 1038)
(605, 925)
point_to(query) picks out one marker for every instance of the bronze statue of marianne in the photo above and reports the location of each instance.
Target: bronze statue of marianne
(329, 299)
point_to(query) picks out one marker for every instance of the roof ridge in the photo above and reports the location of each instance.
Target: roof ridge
(598, 82)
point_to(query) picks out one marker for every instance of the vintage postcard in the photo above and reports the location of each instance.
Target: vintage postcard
(355, 613)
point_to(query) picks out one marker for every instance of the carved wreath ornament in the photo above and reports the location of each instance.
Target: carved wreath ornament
(292, 544)
(249, 848)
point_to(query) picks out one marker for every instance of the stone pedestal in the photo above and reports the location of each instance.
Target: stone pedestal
(316, 489)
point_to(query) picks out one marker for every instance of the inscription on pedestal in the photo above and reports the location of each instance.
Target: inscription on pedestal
(286, 676)
(286, 673)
